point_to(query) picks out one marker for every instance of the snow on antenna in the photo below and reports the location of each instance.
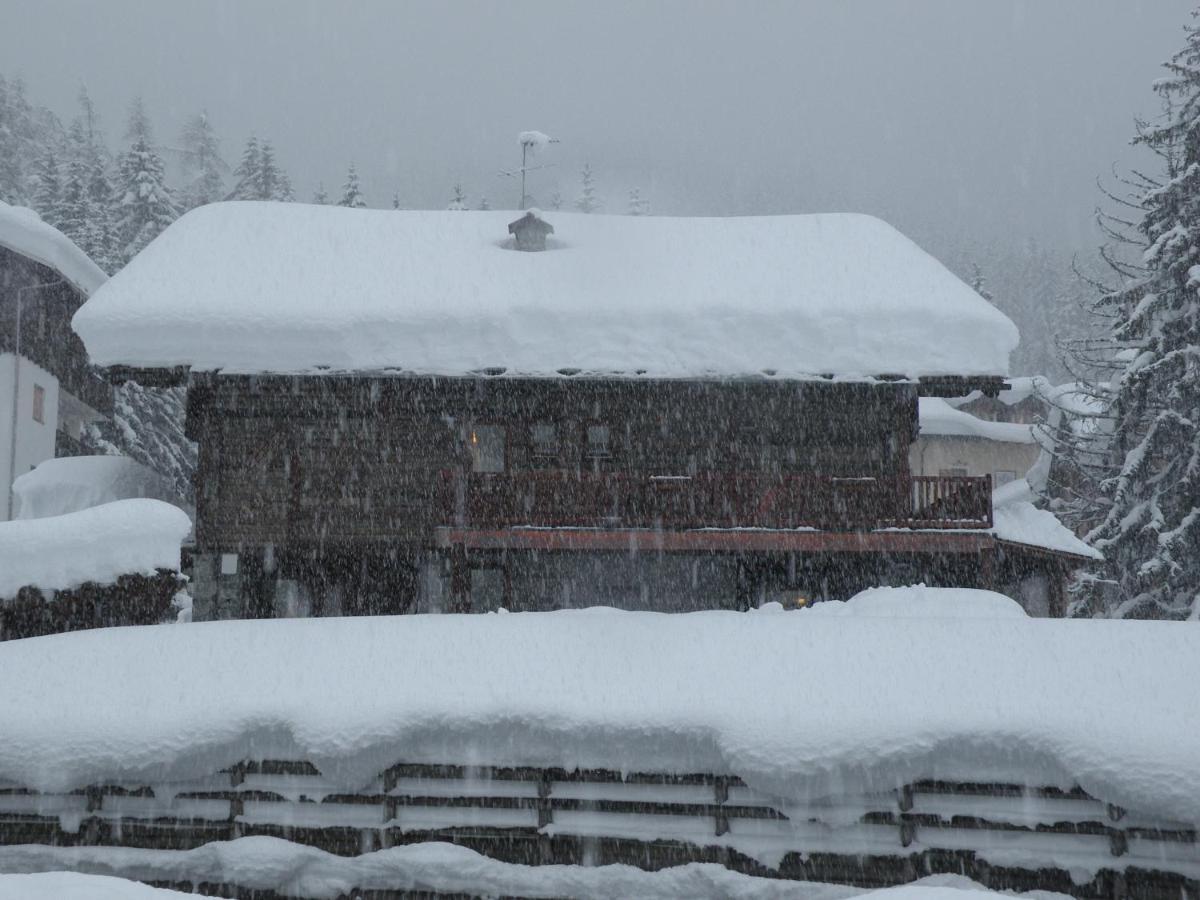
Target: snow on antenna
(531, 142)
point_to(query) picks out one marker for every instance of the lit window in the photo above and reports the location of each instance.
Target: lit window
(39, 403)
(597, 441)
(545, 439)
(487, 448)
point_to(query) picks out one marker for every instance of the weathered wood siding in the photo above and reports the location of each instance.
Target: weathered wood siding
(323, 460)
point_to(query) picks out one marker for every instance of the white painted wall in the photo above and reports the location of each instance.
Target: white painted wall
(34, 441)
(930, 454)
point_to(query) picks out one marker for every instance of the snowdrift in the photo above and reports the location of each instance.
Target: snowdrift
(800, 706)
(68, 484)
(269, 287)
(56, 553)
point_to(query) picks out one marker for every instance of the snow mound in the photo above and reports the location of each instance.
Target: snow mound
(802, 707)
(99, 544)
(271, 864)
(73, 483)
(940, 418)
(23, 231)
(285, 287)
(921, 602)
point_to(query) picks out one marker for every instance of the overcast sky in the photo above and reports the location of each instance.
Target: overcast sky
(980, 120)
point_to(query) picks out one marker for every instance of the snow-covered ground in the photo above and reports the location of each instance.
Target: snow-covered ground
(100, 544)
(800, 706)
(921, 602)
(253, 287)
(292, 869)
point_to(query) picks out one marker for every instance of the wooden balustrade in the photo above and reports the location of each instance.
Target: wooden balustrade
(559, 499)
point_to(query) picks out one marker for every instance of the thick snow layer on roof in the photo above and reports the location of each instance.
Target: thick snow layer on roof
(23, 231)
(99, 544)
(918, 601)
(285, 287)
(800, 706)
(940, 419)
(1023, 523)
(70, 484)
(271, 864)
(1020, 388)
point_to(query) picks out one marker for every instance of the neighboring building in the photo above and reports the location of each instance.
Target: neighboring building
(48, 391)
(955, 443)
(397, 412)
(1023, 402)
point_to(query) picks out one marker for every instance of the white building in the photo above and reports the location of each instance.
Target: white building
(48, 393)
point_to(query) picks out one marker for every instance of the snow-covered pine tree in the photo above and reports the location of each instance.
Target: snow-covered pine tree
(202, 163)
(320, 195)
(47, 192)
(146, 205)
(638, 205)
(15, 115)
(484, 204)
(85, 212)
(272, 182)
(979, 282)
(1147, 438)
(587, 201)
(395, 200)
(459, 201)
(246, 175)
(556, 200)
(351, 192)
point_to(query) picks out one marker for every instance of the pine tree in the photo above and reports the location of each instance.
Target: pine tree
(85, 212)
(459, 203)
(587, 201)
(15, 128)
(47, 194)
(320, 195)
(484, 204)
(979, 283)
(272, 182)
(556, 200)
(203, 165)
(145, 206)
(246, 175)
(351, 193)
(395, 200)
(1143, 449)
(638, 205)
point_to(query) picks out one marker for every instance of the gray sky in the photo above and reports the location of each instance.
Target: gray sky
(957, 120)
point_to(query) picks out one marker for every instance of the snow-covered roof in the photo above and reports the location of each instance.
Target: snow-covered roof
(275, 287)
(98, 544)
(940, 419)
(803, 707)
(23, 231)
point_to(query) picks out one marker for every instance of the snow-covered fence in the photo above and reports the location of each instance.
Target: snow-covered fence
(1006, 836)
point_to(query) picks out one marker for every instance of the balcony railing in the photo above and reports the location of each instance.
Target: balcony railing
(714, 500)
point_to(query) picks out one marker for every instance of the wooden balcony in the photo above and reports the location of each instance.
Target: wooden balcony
(713, 500)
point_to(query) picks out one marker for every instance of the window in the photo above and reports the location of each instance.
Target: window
(39, 404)
(486, 443)
(1003, 477)
(597, 441)
(544, 437)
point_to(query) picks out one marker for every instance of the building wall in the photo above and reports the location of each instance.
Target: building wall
(936, 454)
(34, 441)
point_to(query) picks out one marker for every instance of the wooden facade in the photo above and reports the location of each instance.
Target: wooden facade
(343, 494)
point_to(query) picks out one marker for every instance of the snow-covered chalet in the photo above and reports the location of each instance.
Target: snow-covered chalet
(403, 411)
(48, 391)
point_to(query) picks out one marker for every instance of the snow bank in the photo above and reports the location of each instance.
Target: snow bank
(941, 419)
(73, 483)
(23, 231)
(286, 287)
(270, 864)
(99, 544)
(919, 602)
(800, 706)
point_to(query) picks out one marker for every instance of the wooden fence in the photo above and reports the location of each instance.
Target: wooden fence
(1002, 835)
